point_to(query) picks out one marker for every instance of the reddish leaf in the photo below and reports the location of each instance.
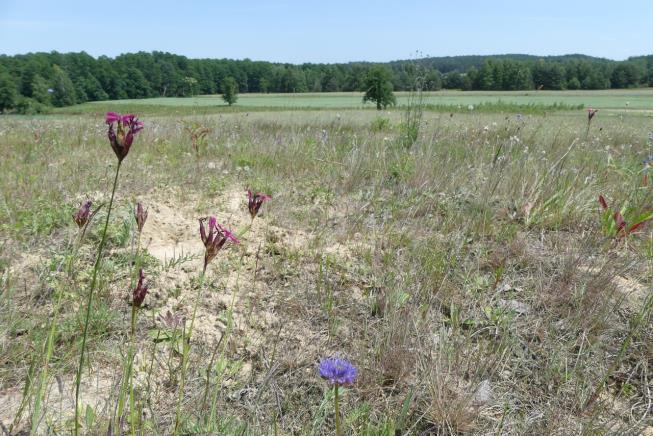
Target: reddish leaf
(635, 227)
(604, 204)
(620, 221)
(638, 225)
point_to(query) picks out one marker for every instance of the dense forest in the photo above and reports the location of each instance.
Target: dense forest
(32, 82)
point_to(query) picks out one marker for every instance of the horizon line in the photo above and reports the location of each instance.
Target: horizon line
(330, 63)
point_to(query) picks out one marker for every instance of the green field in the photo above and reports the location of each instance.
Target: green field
(633, 99)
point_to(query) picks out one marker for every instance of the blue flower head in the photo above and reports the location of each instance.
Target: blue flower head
(337, 371)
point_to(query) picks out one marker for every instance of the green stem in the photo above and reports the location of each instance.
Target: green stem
(209, 369)
(127, 383)
(227, 335)
(132, 352)
(78, 377)
(337, 404)
(49, 345)
(186, 351)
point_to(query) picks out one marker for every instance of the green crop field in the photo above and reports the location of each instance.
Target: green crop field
(636, 99)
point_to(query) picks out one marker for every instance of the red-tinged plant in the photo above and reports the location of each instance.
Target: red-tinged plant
(122, 129)
(214, 236)
(197, 134)
(255, 201)
(616, 225)
(140, 214)
(127, 387)
(121, 139)
(591, 113)
(83, 213)
(140, 291)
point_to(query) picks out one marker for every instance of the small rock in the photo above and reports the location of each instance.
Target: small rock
(483, 393)
(517, 306)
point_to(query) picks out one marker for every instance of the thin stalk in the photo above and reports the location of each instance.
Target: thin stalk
(49, 344)
(48, 350)
(132, 352)
(209, 369)
(127, 383)
(227, 335)
(149, 372)
(637, 321)
(78, 377)
(184, 359)
(337, 406)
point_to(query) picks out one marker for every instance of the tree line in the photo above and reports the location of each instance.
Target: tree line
(32, 82)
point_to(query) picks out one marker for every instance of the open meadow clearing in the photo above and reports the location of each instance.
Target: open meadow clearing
(493, 277)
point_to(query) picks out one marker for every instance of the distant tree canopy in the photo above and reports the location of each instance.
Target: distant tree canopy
(378, 87)
(41, 79)
(229, 90)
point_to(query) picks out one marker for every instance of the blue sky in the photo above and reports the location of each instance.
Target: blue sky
(329, 31)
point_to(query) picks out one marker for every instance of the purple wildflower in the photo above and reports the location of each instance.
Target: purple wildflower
(337, 371)
(255, 201)
(140, 291)
(122, 137)
(214, 237)
(141, 216)
(82, 214)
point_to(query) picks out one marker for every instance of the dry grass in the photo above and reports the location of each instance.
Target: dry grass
(469, 278)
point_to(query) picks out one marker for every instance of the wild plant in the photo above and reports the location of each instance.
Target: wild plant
(255, 201)
(197, 133)
(82, 217)
(214, 236)
(337, 372)
(591, 113)
(138, 297)
(121, 133)
(412, 116)
(620, 223)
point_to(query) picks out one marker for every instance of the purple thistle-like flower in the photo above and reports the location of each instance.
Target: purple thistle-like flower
(214, 236)
(255, 201)
(123, 136)
(82, 214)
(140, 291)
(141, 216)
(337, 371)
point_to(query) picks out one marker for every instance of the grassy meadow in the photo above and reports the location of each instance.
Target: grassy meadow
(472, 277)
